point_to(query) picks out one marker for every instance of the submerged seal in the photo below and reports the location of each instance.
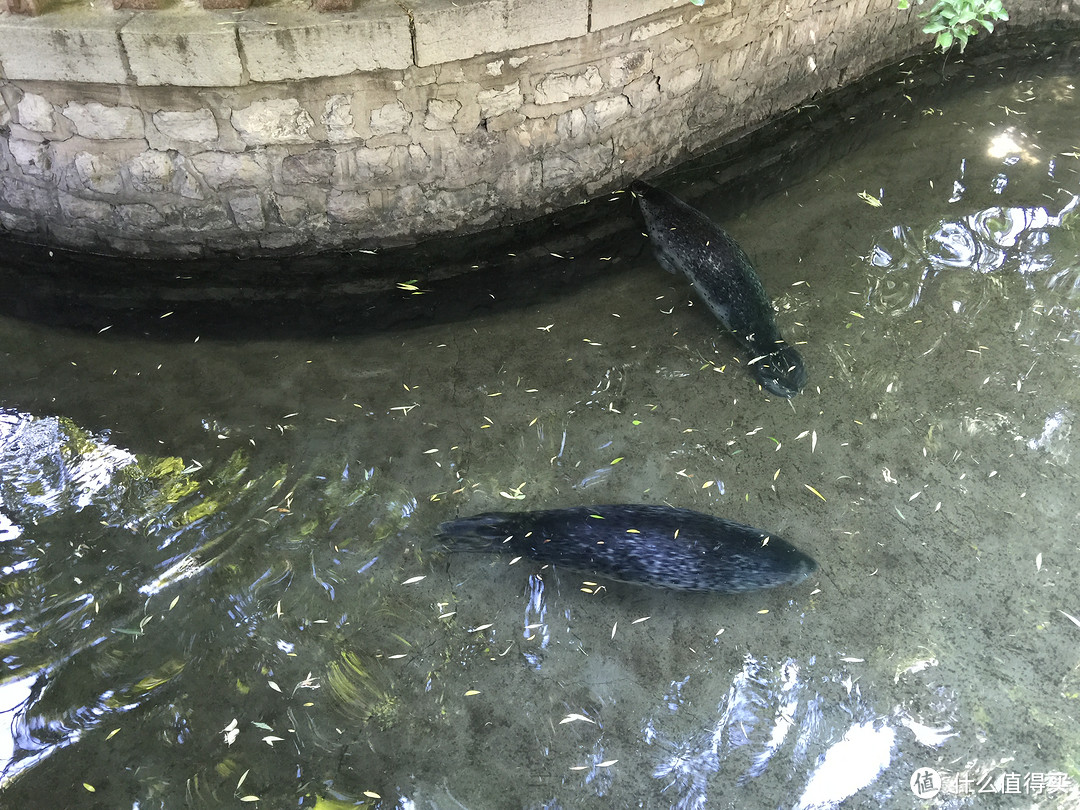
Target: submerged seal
(685, 240)
(651, 545)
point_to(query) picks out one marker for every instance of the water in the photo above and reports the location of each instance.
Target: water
(218, 574)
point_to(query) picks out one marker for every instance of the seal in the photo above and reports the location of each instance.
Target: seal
(685, 240)
(649, 545)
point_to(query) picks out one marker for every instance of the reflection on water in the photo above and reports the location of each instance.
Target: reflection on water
(219, 584)
(812, 725)
(1015, 241)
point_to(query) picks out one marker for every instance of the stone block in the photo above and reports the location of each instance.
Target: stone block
(281, 46)
(19, 195)
(197, 126)
(137, 5)
(334, 5)
(681, 82)
(75, 207)
(231, 170)
(356, 168)
(247, 212)
(69, 45)
(282, 240)
(673, 48)
(278, 120)
(643, 93)
(604, 112)
(99, 173)
(36, 113)
(537, 133)
(151, 172)
(441, 113)
(139, 216)
(571, 125)
(504, 122)
(389, 119)
(337, 119)
(182, 49)
(556, 88)
(500, 100)
(94, 120)
(571, 169)
(629, 66)
(656, 27)
(609, 13)
(205, 217)
(451, 30)
(214, 5)
(315, 166)
(293, 211)
(31, 156)
(349, 206)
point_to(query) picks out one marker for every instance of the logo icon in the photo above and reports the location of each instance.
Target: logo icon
(925, 783)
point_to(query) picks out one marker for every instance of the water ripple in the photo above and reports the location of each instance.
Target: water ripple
(908, 264)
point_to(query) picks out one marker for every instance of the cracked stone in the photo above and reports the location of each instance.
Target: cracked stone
(36, 113)
(99, 173)
(97, 121)
(389, 119)
(338, 120)
(441, 113)
(199, 126)
(556, 88)
(273, 121)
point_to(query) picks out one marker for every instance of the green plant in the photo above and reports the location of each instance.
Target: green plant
(956, 20)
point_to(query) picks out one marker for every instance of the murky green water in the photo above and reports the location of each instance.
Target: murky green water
(220, 588)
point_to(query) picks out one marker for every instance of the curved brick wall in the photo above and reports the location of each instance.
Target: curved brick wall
(184, 131)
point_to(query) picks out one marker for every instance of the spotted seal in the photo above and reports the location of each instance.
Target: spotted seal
(685, 240)
(651, 545)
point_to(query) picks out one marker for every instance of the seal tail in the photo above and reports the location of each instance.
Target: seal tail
(490, 532)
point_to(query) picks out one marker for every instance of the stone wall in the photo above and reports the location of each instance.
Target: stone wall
(184, 131)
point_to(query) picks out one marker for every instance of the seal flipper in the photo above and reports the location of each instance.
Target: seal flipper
(667, 264)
